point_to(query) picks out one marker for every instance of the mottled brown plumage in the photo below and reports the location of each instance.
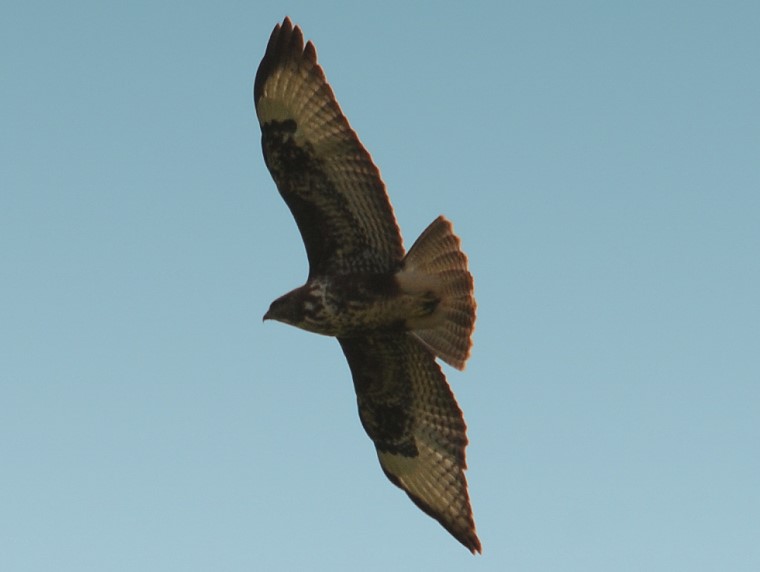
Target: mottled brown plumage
(392, 313)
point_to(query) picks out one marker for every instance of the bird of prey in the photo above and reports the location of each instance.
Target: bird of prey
(392, 312)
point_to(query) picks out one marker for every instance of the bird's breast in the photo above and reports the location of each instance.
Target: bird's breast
(358, 304)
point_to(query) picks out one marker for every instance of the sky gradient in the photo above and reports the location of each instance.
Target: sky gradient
(601, 164)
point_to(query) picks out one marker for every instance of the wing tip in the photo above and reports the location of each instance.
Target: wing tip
(465, 532)
(462, 529)
(286, 41)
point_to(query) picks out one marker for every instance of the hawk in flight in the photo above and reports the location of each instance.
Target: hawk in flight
(392, 312)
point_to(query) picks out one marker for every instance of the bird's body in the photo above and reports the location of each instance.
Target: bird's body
(392, 312)
(350, 305)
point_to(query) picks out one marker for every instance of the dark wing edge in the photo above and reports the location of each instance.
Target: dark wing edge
(408, 410)
(323, 172)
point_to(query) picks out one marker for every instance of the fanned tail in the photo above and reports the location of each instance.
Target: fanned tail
(436, 265)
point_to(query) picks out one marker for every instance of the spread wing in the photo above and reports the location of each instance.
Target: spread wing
(408, 410)
(321, 169)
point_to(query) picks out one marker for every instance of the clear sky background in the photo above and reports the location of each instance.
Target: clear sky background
(601, 162)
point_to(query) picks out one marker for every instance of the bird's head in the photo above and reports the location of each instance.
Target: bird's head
(299, 308)
(285, 309)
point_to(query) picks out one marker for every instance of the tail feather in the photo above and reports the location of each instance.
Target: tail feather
(436, 263)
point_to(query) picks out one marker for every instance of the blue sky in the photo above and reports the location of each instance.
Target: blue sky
(600, 162)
